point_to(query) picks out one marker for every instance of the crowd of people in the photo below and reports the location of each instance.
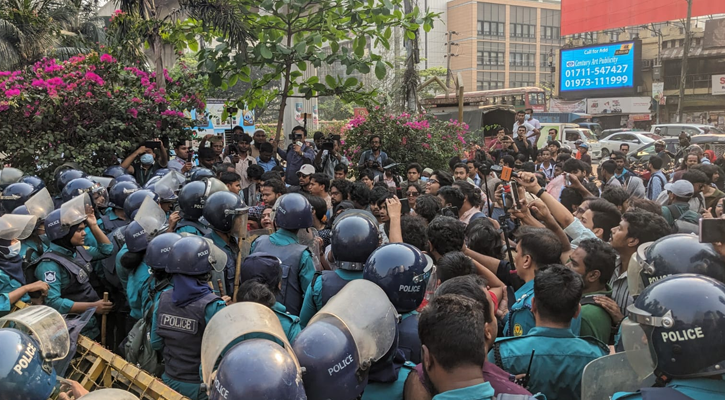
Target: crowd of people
(517, 271)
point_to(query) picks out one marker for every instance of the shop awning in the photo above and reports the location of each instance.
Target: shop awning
(677, 52)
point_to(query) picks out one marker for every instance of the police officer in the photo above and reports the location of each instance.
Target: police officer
(192, 199)
(559, 356)
(62, 178)
(115, 217)
(354, 237)
(39, 205)
(265, 270)
(15, 195)
(402, 271)
(224, 211)
(293, 213)
(114, 171)
(681, 318)
(13, 285)
(66, 265)
(131, 207)
(183, 313)
(157, 258)
(98, 193)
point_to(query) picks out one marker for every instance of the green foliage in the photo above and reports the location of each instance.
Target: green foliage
(433, 89)
(409, 138)
(333, 108)
(89, 109)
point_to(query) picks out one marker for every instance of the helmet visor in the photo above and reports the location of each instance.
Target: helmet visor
(172, 180)
(15, 226)
(99, 193)
(610, 374)
(637, 270)
(637, 336)
(46, 325)
(10, 175)
(151, 218)
(217, 256)
(75, 210)
(41, 204)
(102, 180)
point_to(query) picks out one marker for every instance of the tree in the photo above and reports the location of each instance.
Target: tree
(292, 35)
(433, 89)
(333, 108)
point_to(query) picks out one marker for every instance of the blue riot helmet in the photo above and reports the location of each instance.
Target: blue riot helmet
(161, 172)
(293, 211)
(159, 250)
(66, 176)
(15, 195)
(98, 192)
(166, 195)
(119, 192)
(9, 176)
(354, 237)
(222, 209)
(123, 178)
(38, 337)
(193, 196)
(195, 256)
(343, 340)
(152, 218)
(134, 200)
(136, 238)
(150, 183)
(676, 328)
(114, 171)
(33, 181)
(199, 173)
(671, 255)
(71, 213)
(241, 375)
(402, 271)
(102, 180)
(22, 210)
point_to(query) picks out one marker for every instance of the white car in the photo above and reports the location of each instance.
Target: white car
(633, 139)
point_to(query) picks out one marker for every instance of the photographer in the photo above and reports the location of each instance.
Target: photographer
(144, 162)
(239, 156)
(182, 161)
(297, 154)
(374, 158)
(329, 156)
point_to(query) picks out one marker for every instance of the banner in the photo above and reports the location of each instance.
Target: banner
(714, 34)
(567, 106)
(619, 105)
(718, 84)
(658, 90)
(578, 16)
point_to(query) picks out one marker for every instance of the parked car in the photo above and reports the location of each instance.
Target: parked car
(639, 158)
(594, 127)
(608, 132)
(674, 130)
(633, 139)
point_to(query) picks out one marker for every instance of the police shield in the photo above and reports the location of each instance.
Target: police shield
(233, 322)
(607, 375)
(9, 175)
(15, 226)
(151, 218)
(218, 260)
(172, 180)
(75, 210)
(109, 394)
(45, 325)
(40, 204)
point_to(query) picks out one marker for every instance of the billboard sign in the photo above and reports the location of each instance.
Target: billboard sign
(619, 105)
(718, 84)
(603, 69)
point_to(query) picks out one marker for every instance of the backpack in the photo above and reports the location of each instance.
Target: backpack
(137, 348)
(683, 222)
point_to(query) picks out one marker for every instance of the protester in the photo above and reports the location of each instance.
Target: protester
(298, 153)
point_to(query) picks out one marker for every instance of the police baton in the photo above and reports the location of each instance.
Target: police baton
(104, 319)
(241, 238)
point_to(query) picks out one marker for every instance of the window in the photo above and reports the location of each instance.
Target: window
(490, 80)
(491, 20)
(550, 25)
(572, 135)
(521, 80)
(522, 23)
(522, 57)
(491, 55)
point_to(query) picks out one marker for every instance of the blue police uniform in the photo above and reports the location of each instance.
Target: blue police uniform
(32, 248)
(520, 319)
(299, 276)
(7, 285)
(290, 323)
(109, 221)
(557, 366)
(409, 342)
(231, 268)
(696, 388)
(65, 289)
(137, 290)
(482, 391)
(193, 227)
(390, 390)
(122, 273)
(314, 299)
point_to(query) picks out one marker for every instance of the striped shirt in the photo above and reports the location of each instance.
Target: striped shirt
(620, 288)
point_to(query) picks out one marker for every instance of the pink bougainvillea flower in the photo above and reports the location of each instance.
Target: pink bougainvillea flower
(426, 146)
(108, 58)
(12, 92)
(89, 94)
(133, 112)
(405, 141)
(136, 100)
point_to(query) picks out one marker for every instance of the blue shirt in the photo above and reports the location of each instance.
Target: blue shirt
(137, 290)
(7, 285)
(696, 388)
(267, 166)
(313, 295)
(520, 319)
(482, 391)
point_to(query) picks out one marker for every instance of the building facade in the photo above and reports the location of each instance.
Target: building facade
(504, 43)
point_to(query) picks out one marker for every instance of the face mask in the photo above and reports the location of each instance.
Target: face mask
(527, 117)
(147, 159)
(13, 250)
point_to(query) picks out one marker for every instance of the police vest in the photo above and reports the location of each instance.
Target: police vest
(291, 255)
(203, 230)
(109, 225)
(79, 268)
(117, 239)
(409, 342)
(182, 330)
(332, 283)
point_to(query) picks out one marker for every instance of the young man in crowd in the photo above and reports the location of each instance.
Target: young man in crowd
(532, 133)
(265, 158)
(319, 186)
(181, 162)
(473, 175)
(608, 174)
(341, 171)
(657, 180)
(298, 154)
(233, 181)
(583, 153)
(339, 191)
(374, 158)
(546, 166)
(242, 160)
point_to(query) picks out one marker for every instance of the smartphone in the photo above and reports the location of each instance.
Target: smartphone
(190, 156)
(151, 144)
(404, 207)
(568, 181)
(712, 230)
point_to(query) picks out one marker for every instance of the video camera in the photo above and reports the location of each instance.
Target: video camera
(328, 143)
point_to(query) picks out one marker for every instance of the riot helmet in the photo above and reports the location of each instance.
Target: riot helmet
(98, 192)
(168, 185)
(33, 181)
(159, 250)
(199, 173)
(402, 271)
(194, 195)
(15, 195)
(114, 171)
(222, 209)
(344, 339)
(136, 238)
(670, 255)
(123, 178)
(161, 172)
(59, 222)
(16, 226)
(293, 211)
(150, 183)
(678, 324)
(134, 200)
(66, 176)
(354, 237)
(119, 192)
(195, 256)
(9, 175)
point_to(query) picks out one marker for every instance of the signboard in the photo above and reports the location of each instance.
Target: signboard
(360, 112)
(619, 105)
(606, 68)
(658, 90)
(568, 106)
(718, 84)
(714, 34)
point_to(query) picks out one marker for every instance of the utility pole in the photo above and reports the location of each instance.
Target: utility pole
(448, 56)
(685, 56)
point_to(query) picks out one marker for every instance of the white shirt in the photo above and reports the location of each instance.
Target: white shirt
(530, 134)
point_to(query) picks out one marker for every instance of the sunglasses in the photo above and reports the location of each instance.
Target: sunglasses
(413, 194)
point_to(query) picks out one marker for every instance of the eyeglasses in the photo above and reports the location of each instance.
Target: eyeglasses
(432, 181)
(413, 194)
